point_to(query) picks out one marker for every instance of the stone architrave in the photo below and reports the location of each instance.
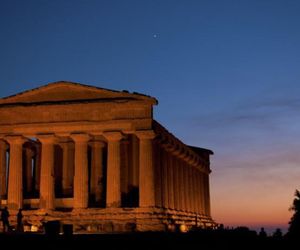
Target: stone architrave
(81, 194)
(47, 194)
(15, 178)
(113, 185)
(146, 179)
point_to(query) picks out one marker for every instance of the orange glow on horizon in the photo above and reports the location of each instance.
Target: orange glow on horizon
(256, 196)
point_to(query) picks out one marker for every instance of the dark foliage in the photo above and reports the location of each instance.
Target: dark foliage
(294, 229)
(277, 234)
(238, 238)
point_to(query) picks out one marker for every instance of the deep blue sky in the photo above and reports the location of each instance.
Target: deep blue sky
(226, 74)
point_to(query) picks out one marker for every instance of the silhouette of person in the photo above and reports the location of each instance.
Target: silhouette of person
(20, 221)
(4, 218)
(262, 233)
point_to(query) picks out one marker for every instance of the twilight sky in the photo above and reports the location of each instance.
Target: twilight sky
(226, 74)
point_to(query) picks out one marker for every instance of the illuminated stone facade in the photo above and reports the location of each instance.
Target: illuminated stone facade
(96, 159)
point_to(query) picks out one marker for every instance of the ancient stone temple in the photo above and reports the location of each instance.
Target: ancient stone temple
(96, 158)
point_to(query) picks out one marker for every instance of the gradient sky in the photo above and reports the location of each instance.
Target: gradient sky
(226, 74)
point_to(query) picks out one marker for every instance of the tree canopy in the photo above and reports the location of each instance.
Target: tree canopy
(294, 229)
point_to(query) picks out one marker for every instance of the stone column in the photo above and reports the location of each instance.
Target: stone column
(192, 189)
(68, 167)
(195, 171)
(198, 192)
(158, 176)
(47, 195)
(177, 196)
(3, 148)
(202, 193)
(15, 183)
(189, 186)
(170, 181)
(164, 170)
(146, 177)
(186, 187)
(81, 176)
(207, 194)
(182, 189)
(97, 178)
(113, 186)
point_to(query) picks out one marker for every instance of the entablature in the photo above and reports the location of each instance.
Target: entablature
(173, 145)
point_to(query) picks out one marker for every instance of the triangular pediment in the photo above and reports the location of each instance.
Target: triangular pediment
(69, 91)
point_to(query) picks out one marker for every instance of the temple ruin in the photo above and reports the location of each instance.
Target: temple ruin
(96, 158)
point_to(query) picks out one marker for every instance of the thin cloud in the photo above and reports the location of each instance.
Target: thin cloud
(261, 114)
(289, 103)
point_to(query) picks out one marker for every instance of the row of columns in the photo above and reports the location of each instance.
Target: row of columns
(180, 185)
(47, 193)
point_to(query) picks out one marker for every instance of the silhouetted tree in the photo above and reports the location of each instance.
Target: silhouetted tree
(294, 229)
(277, 234)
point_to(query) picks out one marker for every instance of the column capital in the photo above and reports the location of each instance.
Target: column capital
(145, 134)
(80, 137)
(47, 138)
(113, 136)
(15, 139)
